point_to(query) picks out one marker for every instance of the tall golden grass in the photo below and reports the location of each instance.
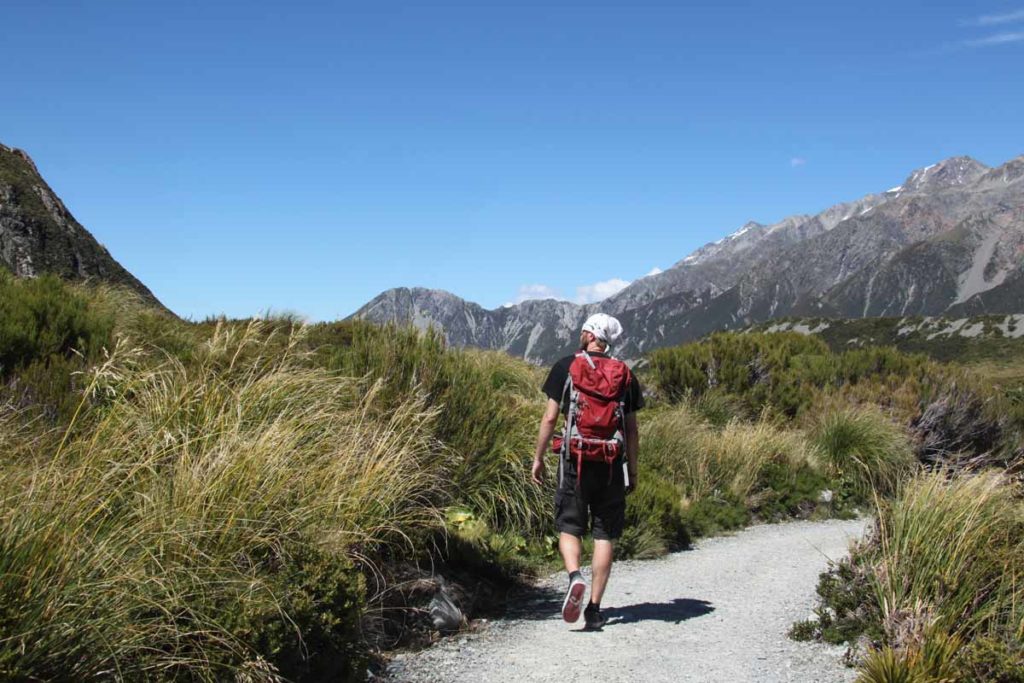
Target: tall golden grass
(945, 563)
(144, 543)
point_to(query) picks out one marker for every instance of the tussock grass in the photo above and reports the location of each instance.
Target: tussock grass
(864, 450)
(937, 583)
(488, 407)
(704, 461)
(953, 551)
(725, 476)
(167, 537)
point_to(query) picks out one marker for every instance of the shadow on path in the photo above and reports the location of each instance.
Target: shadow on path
(545, 603)
(531, 603)
(674, 612)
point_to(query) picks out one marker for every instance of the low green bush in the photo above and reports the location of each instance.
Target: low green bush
(655, 523)
(42, 318)
(788, 491)
(992, 659)
(714, 514)
(761, 369)
(314, 633)
(847, 606)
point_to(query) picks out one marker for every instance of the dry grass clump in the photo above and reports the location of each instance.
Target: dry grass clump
(488, 407)
(944, 563)
(704, 461)
(724, 477)
(863, 449)
(955, 548)
(179, 531)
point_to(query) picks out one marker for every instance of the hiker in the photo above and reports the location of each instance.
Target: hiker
(599, 397)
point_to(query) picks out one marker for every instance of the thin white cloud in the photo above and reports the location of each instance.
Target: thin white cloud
(528, 292)
(655, 271)
(997, 19)
(997, 39)
(599, 291)
(797, 161)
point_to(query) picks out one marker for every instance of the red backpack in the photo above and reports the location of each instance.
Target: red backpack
(596, 423)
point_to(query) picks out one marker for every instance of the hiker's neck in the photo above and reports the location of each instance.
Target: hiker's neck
(594, 347)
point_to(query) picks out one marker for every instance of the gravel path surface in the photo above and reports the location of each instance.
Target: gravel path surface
(719, 612)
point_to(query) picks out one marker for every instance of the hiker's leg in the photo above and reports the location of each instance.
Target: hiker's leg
(602, 568)
(571, 548)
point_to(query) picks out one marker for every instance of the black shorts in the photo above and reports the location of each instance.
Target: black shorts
(596, 502)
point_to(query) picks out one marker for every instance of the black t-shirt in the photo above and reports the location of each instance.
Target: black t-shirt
(554, 386)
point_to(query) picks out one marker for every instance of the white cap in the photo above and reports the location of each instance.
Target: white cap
(604, 327)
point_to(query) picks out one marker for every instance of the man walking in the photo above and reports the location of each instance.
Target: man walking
(599, 397)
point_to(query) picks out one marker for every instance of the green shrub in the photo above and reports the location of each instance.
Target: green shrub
(315, 632)
(847, 607)
(715, 514)
(43, 318)
(779, 371)
(762, 369)
(804, 631)
(654, 518)
(789, 490)
(989, 659)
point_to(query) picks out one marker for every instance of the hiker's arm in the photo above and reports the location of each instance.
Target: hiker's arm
(632, 448)
(547, 429)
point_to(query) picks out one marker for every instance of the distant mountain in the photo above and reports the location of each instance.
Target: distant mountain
(950, 239)
(39, 235)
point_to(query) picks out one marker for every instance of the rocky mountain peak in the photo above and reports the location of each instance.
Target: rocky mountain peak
(952, 172)
(21, 154)
(1011, 171)
(39, 235)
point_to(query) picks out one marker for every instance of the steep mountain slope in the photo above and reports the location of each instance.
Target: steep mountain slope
(39, 235)
(950, 238)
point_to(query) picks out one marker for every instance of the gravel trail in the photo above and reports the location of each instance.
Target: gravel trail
(719, 612)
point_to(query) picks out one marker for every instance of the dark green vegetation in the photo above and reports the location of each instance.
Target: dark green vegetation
(263, 498)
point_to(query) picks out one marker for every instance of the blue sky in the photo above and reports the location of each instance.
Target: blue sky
(304, 156)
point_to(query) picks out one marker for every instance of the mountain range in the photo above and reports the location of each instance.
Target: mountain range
(948, 241)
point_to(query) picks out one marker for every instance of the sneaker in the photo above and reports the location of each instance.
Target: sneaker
(595, 620)
(573, 600)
